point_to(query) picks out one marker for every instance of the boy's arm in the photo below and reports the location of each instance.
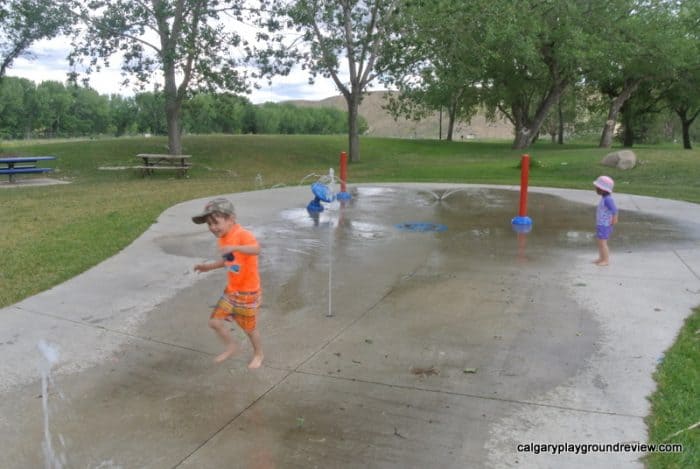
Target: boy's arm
(250, 249)
(614, 219)
(209, 266)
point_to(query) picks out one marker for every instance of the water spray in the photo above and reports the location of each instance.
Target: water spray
(322, 193)
(343, 194)
(50, 356)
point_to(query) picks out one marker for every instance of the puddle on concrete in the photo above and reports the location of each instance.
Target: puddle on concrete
(480, 215)
(363, 235)
(477, 221)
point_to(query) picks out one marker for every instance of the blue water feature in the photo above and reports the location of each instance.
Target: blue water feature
(421, 227)
(322, 193)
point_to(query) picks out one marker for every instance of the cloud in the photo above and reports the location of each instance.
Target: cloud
(48, 57)
(47, 61)
(293, 87)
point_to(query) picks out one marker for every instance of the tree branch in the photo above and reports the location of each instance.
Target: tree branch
(347, 23)
(324, 50)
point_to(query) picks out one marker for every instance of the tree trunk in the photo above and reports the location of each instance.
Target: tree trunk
(628, 136)
(451, 121)
(627, 127)
(173, 117)
(560, 133)
(527, 130)
(523, 138)
(353, 102)
(609, 128)
(173, 111)
(686, 135)
(686, 122)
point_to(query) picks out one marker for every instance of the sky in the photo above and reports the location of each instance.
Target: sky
(48, 62)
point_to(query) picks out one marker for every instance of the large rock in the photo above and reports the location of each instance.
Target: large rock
(623, 159)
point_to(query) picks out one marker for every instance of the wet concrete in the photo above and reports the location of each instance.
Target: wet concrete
(385, 347)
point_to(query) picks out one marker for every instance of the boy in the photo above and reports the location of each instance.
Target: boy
(241, 298)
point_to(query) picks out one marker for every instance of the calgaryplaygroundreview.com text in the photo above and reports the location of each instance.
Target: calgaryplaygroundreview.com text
(585, 448)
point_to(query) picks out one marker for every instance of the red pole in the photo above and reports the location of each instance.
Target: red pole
(524, 175)
(343, 170)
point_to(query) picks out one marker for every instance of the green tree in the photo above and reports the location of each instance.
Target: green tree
(208, 113)
(514, 58)
(123, 114)
(682, 91)
(293, 120)
(88, 113)
(561, 122)
(640, 43)
(639, 114)
(53, 102)
(232, 113)
(191, 44)
(353, 31)
(200, 114)
(151, 113)
(23, 22)
(267, 119)
(433, 62)
(16, 107)
(531, 59)
(683, 96)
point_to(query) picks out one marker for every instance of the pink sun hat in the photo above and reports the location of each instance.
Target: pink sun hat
(604, 183)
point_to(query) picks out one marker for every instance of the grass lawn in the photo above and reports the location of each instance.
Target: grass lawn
(52, 233)
(675, 416)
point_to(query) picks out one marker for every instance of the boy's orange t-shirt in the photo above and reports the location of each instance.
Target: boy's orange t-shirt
(243, 275)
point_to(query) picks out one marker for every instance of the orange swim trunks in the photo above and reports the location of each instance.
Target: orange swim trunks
(241, 307)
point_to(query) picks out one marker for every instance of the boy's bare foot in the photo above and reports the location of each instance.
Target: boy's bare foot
(601, 263)
(228, 353)
(256, 362)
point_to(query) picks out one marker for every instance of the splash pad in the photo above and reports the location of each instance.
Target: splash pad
(446, 302)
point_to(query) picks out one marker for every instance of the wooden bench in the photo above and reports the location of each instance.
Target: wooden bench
(155, 162)
(23, 165)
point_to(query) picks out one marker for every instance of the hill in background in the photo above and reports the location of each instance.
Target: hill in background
(382, 124)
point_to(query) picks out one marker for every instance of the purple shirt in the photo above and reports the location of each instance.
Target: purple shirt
(606, 211)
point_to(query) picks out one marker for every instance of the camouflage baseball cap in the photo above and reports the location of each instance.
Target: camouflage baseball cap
(219, 205)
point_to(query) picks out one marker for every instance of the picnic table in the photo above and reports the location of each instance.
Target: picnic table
(13, 165)
(155, 162)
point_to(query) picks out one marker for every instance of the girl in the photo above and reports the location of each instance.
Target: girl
(606, 217)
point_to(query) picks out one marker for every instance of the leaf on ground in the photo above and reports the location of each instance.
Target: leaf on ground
(425, 371)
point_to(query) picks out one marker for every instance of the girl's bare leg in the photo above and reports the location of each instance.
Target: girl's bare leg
(224, 333)
(603, 253)
(258, 356)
